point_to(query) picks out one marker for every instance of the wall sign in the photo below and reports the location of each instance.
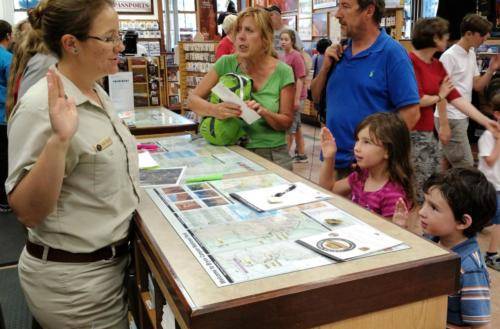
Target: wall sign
(134, 7)
(305, 29)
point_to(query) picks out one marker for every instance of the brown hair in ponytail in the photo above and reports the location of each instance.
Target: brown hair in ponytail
(59, 17)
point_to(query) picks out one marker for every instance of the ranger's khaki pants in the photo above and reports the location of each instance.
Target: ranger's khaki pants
(75, 295)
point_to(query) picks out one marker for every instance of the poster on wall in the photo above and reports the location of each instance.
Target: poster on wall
(335, 31)
(121, 91)
(290, 21)
(319, 4)
(134, 7)
(305, 8)
(305, 29)
(207, 13)
(285, 5)
(320, 24)
(260, 3)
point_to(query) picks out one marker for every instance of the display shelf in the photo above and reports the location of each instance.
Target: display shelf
(173, 84)
(148, 79)
(194, 55)
(394, 18)
(148, 30)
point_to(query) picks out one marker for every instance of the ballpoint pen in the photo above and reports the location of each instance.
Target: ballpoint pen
(280, 194)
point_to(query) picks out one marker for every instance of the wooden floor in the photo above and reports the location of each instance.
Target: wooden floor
(310, 171)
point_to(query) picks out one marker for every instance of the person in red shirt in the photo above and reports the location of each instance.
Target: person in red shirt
(226, 46)
(429, 36)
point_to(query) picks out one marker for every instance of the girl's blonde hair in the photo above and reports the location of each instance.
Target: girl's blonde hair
(390, 130)
(29, 44)
(263, 22)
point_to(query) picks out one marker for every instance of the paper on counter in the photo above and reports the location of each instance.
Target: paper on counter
(224, 93)
(146, 161)
(258, 199)
(350, 242)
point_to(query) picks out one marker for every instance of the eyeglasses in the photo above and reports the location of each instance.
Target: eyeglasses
(115, 40)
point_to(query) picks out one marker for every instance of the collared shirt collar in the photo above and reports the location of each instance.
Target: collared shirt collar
(466, 247)
(71, 90)
(377, 46)
(462, 51)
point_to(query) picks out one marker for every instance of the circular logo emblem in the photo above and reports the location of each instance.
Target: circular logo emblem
(335, 245)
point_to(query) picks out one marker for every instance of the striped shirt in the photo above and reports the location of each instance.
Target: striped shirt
(382, 201)
(471, 304)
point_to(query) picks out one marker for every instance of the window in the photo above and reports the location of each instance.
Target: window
(183, 26)
(21, 7)
(221, 8)
(429, 8)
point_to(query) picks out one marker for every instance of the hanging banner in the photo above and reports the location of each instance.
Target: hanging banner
(134, 7)
(207, 15)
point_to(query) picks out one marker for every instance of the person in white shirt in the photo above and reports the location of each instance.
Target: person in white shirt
(489, 164)
(460, 63)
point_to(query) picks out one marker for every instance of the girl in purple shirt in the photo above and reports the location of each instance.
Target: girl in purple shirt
(383, 175)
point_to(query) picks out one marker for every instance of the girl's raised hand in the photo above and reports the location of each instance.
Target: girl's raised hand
(328, 145)
(401, 215)
(62, 111)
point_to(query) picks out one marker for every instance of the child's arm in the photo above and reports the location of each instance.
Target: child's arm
(474, 302)
(327, 175)
(299, 84)
(444, 127)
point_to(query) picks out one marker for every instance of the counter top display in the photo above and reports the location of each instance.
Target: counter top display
(407, 286)
(157, 120)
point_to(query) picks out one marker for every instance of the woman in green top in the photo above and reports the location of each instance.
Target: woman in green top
(273, 87)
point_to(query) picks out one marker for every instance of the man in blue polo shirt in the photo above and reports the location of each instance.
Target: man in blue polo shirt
(373, 74)
(5, 60)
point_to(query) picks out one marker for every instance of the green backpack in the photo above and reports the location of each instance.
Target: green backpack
(228, 131)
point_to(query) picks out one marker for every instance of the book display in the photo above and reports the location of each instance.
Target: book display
(173, 82)
(195, 60)
(149, 33)
(148, 78)
(393, 21)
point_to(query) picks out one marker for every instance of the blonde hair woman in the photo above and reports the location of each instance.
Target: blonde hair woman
(273, 87)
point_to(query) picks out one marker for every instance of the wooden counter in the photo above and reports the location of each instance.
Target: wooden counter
(404, 289)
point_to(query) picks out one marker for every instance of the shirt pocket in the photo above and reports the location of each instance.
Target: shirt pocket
(109, 169)
(104, 169)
